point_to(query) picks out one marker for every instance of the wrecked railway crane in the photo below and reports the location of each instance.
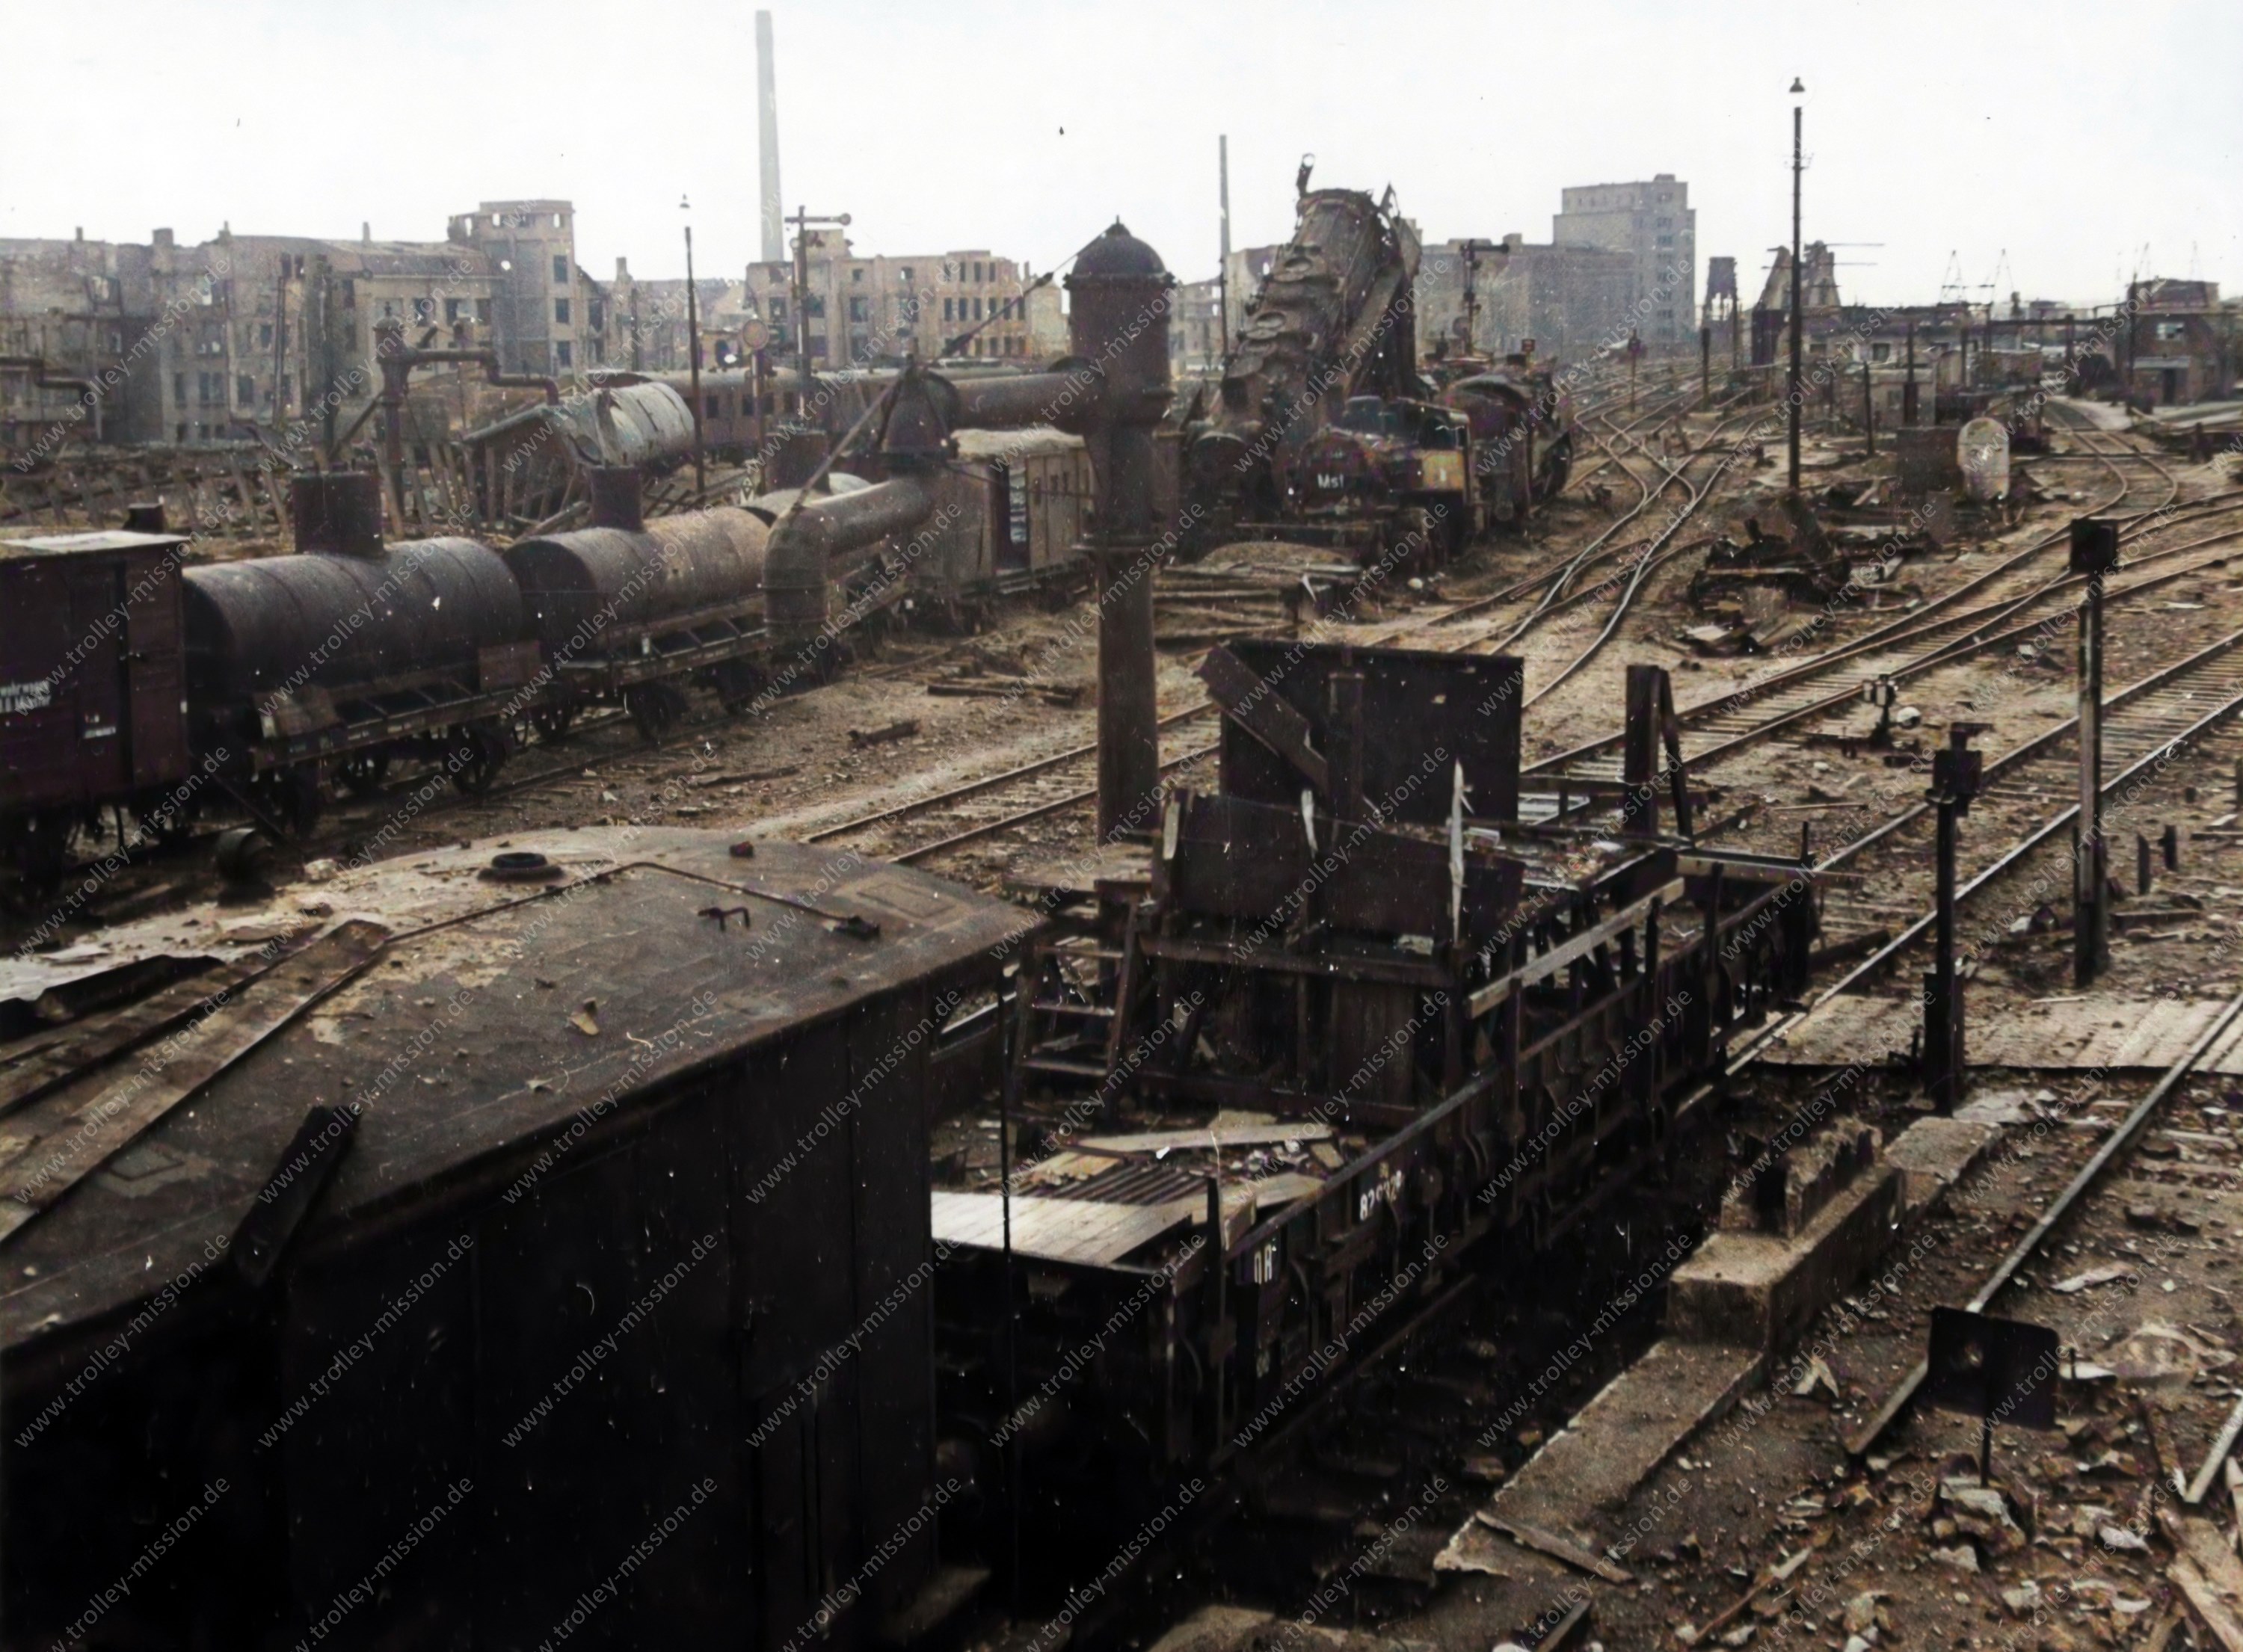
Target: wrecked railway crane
(1323, 429)
(1333, 323)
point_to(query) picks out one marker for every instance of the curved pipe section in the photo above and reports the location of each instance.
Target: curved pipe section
(809, 545)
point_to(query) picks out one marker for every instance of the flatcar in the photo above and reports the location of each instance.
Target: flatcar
(1487, 1032)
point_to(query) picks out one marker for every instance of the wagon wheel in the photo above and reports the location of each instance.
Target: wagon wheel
(36, 851)
(553, 721)
(480, 750)
(739, 684)
(654, 710)
(361, 773)
(294, 797)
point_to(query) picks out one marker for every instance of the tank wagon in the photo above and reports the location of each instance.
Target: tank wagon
(163, 692)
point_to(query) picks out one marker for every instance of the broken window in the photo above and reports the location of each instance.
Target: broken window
(244, 389)
(424, 311)
(561, 355)
(560, 269)
(560, 312)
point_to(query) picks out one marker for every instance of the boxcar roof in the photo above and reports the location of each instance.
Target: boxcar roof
(104, 539)
(475, 1037)
(1029, 439)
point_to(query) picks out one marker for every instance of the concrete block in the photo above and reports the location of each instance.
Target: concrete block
(1761, 1291)
(1934, 1154)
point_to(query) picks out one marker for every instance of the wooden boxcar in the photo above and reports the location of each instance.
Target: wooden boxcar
(92, 684)
(612, 1325)
(1008, 515)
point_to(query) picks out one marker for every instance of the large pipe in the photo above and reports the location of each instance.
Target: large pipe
(806, 549)
(396, 358)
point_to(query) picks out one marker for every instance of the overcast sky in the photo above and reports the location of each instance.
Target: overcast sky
(2078, 141)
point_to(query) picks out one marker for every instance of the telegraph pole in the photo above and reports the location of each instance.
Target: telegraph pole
(693, 351)
(1792, 395)
(1908, 387)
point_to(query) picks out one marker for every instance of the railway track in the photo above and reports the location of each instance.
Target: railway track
(1051, 783)
(2114, 1154)
(2027, 588)
(1905, 645)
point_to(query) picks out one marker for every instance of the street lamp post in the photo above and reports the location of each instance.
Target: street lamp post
(1792, 395)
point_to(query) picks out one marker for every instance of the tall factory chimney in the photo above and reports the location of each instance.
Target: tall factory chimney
(774, 214)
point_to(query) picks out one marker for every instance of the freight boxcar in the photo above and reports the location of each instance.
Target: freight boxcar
(617, 1293)
(92, 689)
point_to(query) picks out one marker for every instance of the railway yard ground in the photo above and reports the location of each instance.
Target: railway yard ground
(1774, 1503)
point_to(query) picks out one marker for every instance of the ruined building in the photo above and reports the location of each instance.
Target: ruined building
(241, 334)
(1655, 224)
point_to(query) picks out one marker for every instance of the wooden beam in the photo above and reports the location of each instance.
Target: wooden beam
(1601, 934)
(1257, 707)
(59, 1140)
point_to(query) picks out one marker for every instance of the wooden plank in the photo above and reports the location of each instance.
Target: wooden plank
(1557, 1548)
(1088, 1232)
(2210, 1609)
(58, 1141)
(1227, 1132)
(72, 1051)
(1257, 707)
